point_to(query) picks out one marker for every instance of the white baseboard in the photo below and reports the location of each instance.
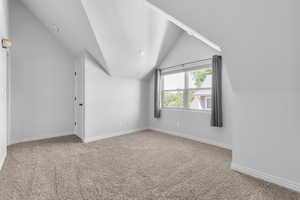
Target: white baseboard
(267, 177)
(104, 136)
(40, 137)
(2, 159)
(196, 138)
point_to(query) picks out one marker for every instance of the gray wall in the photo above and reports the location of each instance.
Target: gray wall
(113, 106)
(193, 124)
(3, 81)
(42, 82)
(260, 43)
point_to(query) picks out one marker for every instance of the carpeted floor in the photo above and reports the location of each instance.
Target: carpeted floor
(145, 165)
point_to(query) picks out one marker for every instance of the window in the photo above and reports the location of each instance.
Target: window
(187, 89)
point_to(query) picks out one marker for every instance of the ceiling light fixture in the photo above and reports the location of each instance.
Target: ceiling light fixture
(142, 53)
(54, 28)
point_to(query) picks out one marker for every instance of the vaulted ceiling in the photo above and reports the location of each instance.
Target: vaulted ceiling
(67, 20)
(127, 38)
(131, 36)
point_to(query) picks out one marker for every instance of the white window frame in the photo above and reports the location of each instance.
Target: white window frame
(186, 89)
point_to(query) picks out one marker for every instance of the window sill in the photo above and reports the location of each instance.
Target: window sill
(186, 110)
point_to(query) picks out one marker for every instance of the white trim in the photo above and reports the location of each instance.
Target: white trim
(195, 138)
(40, 137)
(105, 136)
(79, 135)
(186, 110)
(185, 68)
(2, 159)
(267, 177)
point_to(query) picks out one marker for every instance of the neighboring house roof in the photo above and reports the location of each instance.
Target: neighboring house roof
(202, 93)
(196, 104)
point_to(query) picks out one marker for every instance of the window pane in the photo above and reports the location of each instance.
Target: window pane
(174, 81)
(200, 99)
(173, 99)
(201, 78)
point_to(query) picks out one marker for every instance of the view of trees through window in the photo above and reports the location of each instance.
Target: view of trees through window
(194, 93)
(173, 99)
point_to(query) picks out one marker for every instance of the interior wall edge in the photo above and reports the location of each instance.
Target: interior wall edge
(40, 137)
(195, 138)
(2, 159)
(110, 135)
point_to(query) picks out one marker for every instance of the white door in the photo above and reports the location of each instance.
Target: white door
(79, 98)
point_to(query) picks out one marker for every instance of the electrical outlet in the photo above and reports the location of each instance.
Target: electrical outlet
(178, 124)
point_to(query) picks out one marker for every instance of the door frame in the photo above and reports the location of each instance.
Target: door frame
(79, 111)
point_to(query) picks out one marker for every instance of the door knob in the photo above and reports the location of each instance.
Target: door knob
(81, 104)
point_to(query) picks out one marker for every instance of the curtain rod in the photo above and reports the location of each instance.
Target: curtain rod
(186, 63)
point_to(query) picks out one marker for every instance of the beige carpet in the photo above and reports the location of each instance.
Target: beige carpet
(145, 165)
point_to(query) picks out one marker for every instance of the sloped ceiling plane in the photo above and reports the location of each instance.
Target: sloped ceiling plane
(127, 38)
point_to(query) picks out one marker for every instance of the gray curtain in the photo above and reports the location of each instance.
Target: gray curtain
(216, 111)
(157, 77)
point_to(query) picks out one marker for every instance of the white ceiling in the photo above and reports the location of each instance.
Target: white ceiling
(125, 36)
(124, 28)
(69, 16)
